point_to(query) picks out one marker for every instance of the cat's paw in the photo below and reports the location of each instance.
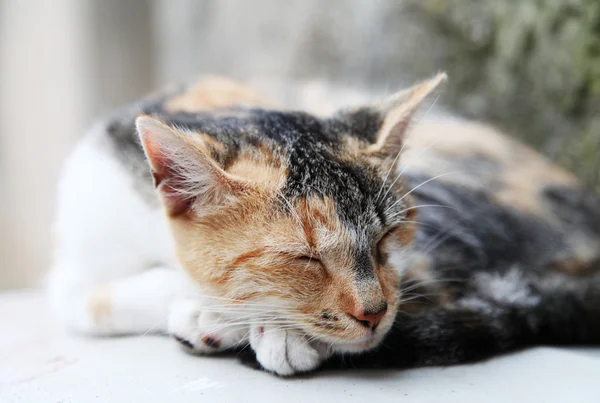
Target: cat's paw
(284, 352)
(200, 330)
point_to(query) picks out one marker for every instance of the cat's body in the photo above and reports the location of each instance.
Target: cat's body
(502, 253)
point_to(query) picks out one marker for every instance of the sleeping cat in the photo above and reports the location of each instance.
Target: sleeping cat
(304, 238)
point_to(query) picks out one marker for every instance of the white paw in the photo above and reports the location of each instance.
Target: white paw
(284, 352)
(202, 331)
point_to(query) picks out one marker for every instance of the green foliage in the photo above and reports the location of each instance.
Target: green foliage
(530, 66)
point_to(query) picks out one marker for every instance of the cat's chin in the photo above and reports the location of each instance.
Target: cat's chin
(359, 345)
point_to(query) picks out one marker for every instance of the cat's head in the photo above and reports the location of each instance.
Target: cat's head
(289, 218)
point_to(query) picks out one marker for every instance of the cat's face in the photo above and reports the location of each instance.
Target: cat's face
(288, 218)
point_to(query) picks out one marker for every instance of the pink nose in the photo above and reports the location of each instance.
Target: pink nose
(369, 319)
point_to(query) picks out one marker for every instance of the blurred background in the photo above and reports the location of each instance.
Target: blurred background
(530, 67)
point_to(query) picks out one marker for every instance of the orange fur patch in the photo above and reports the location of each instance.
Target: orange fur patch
(256, 249)
(215, 92)
(258, 172)
(208, 143)
(439, 148)
(99, 304)
(574, 267)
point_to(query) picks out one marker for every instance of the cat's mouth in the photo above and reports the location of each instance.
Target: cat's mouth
(354, 339)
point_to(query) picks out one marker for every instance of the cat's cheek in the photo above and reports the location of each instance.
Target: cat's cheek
(285, 353)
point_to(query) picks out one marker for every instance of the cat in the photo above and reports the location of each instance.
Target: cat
(311, 240)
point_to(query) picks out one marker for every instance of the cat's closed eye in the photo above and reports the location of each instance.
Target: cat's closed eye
(309, 261)
(299, 260)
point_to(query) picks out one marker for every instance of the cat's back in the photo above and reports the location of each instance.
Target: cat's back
(496, 203)
(478, 157)
(503, 198)
(457, 152)
(468, 154)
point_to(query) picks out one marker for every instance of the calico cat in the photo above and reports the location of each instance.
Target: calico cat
(303, 238)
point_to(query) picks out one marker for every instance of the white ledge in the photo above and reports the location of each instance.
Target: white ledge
(40, 363)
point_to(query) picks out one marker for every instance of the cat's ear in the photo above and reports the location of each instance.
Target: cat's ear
(186, 175)
(395, 114)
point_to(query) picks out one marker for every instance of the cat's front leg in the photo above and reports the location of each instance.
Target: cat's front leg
(201, 330)
(286, 352)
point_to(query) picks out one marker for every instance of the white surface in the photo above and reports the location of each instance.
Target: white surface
(39, 363)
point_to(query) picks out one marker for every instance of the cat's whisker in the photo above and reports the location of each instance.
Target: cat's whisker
(245, 338)
(436, 241)
(417, 296)
(290, 208)
(150, 329)
(388, 172)
(308, 340)
(238, 303)
(429, 282)
(235, 300)
(418, 186)
(225, 313)
(278, 314)
(424, 224)
(242, 309)
(257, 319)
(221, 326)
(419, 206)
(407, 136)
(287, 328)
(427, 181)
(405, 167)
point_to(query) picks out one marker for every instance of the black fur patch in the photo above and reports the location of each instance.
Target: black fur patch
(476, 234)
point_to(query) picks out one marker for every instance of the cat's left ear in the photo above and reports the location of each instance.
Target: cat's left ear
(395, 114)
(185, 173)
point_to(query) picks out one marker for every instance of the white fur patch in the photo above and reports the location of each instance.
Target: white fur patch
(475, 304)
(510, 288)
(284, 352)
(107, 234)
(193, 320)
(402, 258)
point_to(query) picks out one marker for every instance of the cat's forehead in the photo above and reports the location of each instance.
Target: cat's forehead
(310, 150)
(231, 124)
(317, 163)
(323, 231)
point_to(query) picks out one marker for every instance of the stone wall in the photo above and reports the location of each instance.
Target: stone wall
(531, 67)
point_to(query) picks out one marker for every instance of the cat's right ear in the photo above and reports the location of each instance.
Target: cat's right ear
(185, 174)
(397, 112)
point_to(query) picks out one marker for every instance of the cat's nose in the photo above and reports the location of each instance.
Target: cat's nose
(369, 318)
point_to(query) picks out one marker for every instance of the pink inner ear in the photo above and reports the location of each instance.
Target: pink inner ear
(170, 183)
(168, 180)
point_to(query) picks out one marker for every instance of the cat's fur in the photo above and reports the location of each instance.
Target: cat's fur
(306, 236)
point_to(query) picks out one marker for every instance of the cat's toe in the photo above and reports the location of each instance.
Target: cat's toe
(302, 357)
(183, 342)
(201, 332)
(183, 326)
(201, 344)
(284, 353)
(211, 341)
(270, 348)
